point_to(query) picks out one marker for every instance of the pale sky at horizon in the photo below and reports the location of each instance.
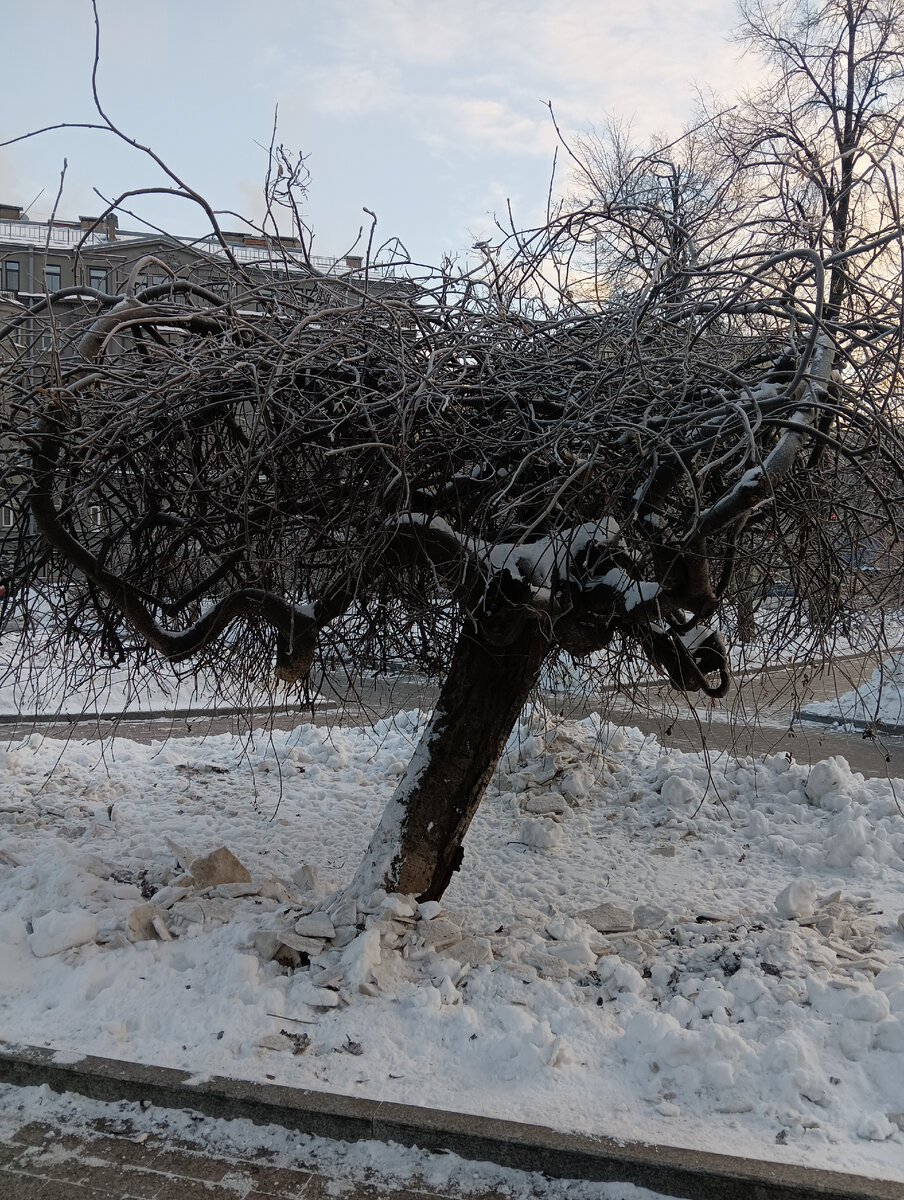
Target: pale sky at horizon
(428, 112)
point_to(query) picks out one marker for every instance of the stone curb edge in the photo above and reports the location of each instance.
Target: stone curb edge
(846, 724)
(693, 1174)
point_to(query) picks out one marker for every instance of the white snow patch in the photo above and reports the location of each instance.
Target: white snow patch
(717, 1020)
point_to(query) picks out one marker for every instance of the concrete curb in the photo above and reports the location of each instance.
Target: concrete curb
(693, 1174)
(846, 724)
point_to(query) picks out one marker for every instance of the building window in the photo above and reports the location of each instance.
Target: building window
(12, 276)
(53, 277)
(95, 516)
(7, 516)
(97, 278)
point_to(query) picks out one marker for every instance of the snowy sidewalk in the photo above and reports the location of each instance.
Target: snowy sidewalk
(151, 1133)
(113, 1164)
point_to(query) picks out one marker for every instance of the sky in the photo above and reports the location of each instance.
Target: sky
(430, 113)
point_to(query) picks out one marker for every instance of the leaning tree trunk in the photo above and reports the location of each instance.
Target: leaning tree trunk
(418, 844)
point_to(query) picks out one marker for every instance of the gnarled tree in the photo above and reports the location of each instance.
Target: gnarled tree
(505, 465)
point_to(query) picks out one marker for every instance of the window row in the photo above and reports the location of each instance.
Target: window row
(95, 515)
(11, 277)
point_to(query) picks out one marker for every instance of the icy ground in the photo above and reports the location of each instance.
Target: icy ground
(879, 701)
(345, 1164)
(640, 943)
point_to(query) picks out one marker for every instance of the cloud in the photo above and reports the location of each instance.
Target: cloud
(351, 89)
(475, 73)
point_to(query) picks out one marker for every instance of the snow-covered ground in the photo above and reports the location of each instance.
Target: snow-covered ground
(641, 943)
(879, 701)
(68, 685)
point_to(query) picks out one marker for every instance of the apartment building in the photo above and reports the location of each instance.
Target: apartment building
(41, 257)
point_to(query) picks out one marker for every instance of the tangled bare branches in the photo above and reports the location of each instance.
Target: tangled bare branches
(482, 448)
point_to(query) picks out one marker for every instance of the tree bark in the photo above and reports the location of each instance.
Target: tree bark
(418, 844)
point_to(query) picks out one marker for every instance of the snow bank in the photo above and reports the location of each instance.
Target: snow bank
(68, 685)
(640, 943)
(879, 701)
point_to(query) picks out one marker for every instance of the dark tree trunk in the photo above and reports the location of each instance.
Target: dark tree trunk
(746, 610)
(418, 845)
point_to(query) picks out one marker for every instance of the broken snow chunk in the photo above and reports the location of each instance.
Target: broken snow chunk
(876, 1127)
(182, 855)
(432, 908)
(359, 959)
(325, 997)
(57, 931)
(167, 896)
(575, 784)
(620, 976)
(650, 916)
(677, 790)
(566, 930)
(827, 784)
(608, 918)
(474, 951)
(161, 928)
(576, 954)
(305, 878)
(188, 912)
(140, 922)
(316, 925)
(344, 911)
(844, 998)
(232, 891)
(540, 834)
(297, 941)
(544, 804)
(550, 966)
(711, 997)
(440, 932)
(272, 889)
(396, 905)
(219, 867)
(544, 769)
(448, 993)
(266, 944)
(797, 901)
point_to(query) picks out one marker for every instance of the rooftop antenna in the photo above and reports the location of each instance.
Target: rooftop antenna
(36, 199)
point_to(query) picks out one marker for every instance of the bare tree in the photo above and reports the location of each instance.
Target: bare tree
(505, 464)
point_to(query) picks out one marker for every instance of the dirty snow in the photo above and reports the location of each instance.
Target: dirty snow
(641, 943)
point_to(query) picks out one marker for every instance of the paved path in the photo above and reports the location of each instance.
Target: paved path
(111, 1162)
